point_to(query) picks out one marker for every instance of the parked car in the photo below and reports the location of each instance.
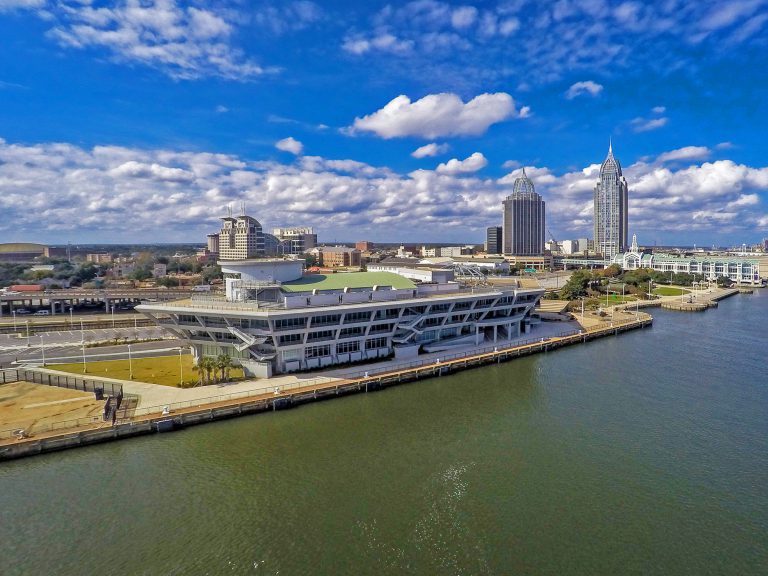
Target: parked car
(23, 311)
(42, 313)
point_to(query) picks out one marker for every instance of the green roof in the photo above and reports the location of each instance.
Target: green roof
(343, 280)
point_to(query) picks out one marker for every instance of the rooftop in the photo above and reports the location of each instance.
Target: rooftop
(343, 280)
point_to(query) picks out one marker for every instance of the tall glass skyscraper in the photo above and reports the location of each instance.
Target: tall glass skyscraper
(610, 200)
(524, 219)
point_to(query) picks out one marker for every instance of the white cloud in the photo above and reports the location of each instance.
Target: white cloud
(463, 17)
(586, 87)
(290, 144)
(222, 109)
(382, 43)
(470, 164)
(659, 109)
(685, 153)
(183, 42)
(120, 194)
(646, 125)
(724, 146)
(8, 5)
(437, 115)
(431, 149)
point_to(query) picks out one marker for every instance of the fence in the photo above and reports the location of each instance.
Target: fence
(37, 327)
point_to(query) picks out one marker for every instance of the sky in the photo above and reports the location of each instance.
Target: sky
(143, 120)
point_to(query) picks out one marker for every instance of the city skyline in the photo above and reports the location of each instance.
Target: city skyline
(390, 123)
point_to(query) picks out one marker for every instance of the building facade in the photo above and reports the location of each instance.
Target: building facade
(494, 243)
(296, 240)
(273, 319)
(340, 257)
(524, 220)
(610, 209)
(241, 238)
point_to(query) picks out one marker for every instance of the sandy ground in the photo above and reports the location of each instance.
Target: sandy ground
(36, 407)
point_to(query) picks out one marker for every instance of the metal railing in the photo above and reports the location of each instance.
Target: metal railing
(44, 427)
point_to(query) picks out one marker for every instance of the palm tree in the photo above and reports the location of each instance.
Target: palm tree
(224, 363)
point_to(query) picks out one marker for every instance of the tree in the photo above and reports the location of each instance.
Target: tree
(724, 281)
(224, 364)
(576, 287)
(205, 366)
(612, 271)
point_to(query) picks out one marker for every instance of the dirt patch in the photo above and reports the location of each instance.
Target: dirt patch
(39, 408)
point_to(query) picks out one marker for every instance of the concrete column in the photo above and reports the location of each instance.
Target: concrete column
(53, 308)
(106, 305)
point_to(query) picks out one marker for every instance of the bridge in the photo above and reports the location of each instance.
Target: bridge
(59, 300)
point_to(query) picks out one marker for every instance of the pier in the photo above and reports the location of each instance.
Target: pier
(180, 415)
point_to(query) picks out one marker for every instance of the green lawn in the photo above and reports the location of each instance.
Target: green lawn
(161, 370)
(669, 291)
(617, 299)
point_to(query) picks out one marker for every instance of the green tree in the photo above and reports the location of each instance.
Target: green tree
(224, 364)
(577, 284)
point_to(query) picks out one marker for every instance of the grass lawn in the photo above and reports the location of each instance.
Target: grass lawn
(669, 291)
(161, 370)
(617, 299)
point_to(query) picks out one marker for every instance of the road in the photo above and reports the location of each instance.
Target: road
(66, 345)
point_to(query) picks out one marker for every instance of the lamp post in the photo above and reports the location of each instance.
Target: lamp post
(71, 318)
(27, 323)
(181, 368)
(85, 368)
(14, 320)
(113, 315)
(130, 364)
(42, 347)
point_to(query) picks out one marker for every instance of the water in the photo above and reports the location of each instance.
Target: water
(641, 454)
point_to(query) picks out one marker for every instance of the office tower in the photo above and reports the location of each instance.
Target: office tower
(610, 201)
(493, 240)
(524, 219)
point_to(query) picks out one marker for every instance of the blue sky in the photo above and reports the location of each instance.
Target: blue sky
(142, 120)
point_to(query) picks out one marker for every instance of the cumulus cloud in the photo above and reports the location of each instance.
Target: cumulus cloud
(659, 109)
(290, 144)
(471, 164)
(120, 194)
(437, 115)
(581, 88)
(431, 149)
(685, 153)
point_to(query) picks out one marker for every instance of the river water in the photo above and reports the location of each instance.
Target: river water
(641, 454)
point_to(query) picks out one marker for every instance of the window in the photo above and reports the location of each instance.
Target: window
(344, 347)
(438, 308)
(387, 314)
(432, 321)
(351, 332)
(378, 328)
(290, 339)
(357, 317)
(290, 323)
(463, 305)
(320, 335)
(326, 320)
(372, 343)
(317, 351)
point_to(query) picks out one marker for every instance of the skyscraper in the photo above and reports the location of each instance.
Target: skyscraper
(610, 200)
(493, 243)
(524, 219)
(241, 238)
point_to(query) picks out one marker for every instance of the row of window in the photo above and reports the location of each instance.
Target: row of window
(342, 348)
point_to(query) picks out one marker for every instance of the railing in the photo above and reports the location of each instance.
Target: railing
(43, 427)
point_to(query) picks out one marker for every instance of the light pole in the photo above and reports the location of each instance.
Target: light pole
(85, 368)
(71, 318)
(27, 323)
(130, 364)
(181, 369)
(113, 315)
(82, 331)
(42, 347)
(14, 320)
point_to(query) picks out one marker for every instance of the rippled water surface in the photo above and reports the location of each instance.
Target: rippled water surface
(641, 454)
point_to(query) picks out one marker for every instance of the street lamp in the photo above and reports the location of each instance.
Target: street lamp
(130, 364)
(181, 369)
(42, 347)
(85, 368)
(113, 315)
(14, 320)
(27, 323)
(71, 318)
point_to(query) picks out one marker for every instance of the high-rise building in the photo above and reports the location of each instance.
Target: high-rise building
(296, 240)
(524, 219)
(212, 243)
(610, 200)
(493, 240)
(241, 238)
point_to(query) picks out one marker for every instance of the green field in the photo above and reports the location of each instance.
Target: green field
(617, 299)
(669, 291)
(163, 370)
